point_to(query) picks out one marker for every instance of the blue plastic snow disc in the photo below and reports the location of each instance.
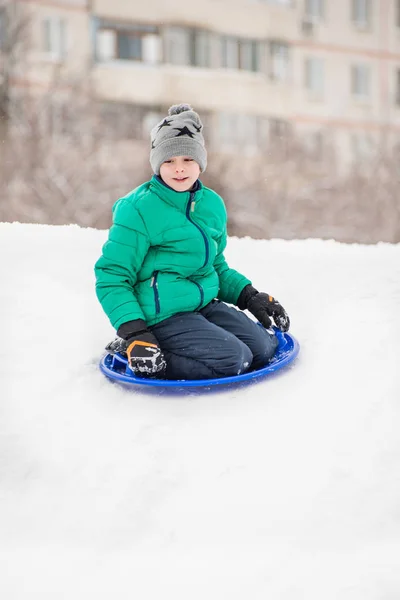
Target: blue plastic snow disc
(116, 367)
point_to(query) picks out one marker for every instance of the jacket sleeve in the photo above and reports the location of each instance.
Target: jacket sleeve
(117, 268)
(231, 283)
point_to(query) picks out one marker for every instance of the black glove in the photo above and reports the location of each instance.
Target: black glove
(145, 356)
(263, 306)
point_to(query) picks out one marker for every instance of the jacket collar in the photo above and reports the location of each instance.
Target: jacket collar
(177, 199)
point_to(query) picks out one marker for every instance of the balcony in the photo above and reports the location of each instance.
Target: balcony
(214, 89)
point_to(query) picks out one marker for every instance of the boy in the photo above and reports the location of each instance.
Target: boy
(163, 280)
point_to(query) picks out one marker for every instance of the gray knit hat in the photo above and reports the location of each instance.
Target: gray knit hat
(179, 134)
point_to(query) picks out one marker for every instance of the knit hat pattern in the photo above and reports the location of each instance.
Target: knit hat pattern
(179, 134)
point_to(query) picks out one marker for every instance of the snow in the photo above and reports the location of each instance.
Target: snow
(286, 489)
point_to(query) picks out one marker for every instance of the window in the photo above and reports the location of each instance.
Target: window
(129, 46)
(122, 120)
(313, 144)
(18, 113)
(249, 133)
(200, 48)
(314, 76)
(230, 52)
(263, 131)
(360, 81)
(177, 46)
(54, 117)
(105, 45)
(363, 146)
(279, 136)
(278, 130)
(397, 99)
(240, 54)
(2, 28)
(248, 55)
(279, 69)
(55, 37)
(228, 129)
(151, 48)
(125, 41)
(150, 119)
(188, 47)
(238, 131)
(314, 9)
(361, 10)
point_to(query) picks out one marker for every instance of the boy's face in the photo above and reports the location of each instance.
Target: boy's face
(180, 173)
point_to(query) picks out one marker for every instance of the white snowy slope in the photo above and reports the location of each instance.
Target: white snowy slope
(287, 489)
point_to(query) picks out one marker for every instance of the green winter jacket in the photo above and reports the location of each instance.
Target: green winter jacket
(164, 255)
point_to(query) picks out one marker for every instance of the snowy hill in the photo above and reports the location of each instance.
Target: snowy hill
(285, 490)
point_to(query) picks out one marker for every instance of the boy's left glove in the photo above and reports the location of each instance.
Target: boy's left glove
(263, 306)
(145, 356)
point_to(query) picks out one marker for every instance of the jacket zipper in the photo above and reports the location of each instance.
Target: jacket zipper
(154, 285)
(201, 293)
(190, 208)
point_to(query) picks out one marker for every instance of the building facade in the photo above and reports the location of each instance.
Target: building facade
(254, 69)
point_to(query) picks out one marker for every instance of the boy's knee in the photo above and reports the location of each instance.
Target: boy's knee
(236, 361)
(266, 349)
(245, 360)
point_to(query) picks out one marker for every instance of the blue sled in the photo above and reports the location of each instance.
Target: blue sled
(116, 367)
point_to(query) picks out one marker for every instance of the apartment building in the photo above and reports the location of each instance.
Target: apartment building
(327, 70)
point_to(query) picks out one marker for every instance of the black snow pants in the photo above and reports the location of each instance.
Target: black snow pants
(217, 341)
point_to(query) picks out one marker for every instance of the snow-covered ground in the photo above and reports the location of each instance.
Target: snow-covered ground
(284, 490)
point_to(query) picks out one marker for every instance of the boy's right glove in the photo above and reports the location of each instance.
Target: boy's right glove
(145, 356)
(263, 306)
